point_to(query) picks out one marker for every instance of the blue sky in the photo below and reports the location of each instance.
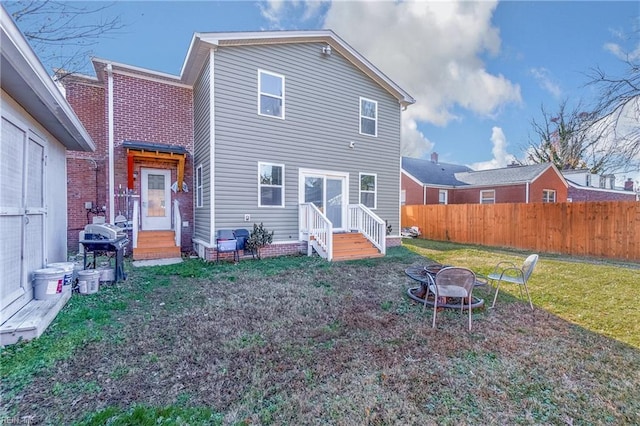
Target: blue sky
(479, 71)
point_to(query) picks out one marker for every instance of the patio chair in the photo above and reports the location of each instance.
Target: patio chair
(242, 235)
(452, 281)
(509, 272)
(226, 243)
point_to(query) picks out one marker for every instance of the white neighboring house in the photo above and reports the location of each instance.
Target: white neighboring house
(586, 186)
(37, 127)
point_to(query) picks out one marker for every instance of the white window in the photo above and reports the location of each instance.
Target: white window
(443, 196)
(270, 185)
(603, 182)
(548, 196)
(199, 186)
(270, 94)
(368, 117)
(368, 188)
(488, 197)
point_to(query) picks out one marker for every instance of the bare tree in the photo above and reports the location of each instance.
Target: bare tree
(62, 33)
(617, 114)
(605, 138)
(564, 139)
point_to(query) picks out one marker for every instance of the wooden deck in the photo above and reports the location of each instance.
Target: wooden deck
(32, 320)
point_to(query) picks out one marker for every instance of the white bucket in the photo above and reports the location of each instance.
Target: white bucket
(107, 274)
(67, 267)
(88, 281)
(47, 283)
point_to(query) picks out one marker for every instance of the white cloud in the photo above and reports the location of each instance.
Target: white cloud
(431, 49)
(545, 81)
(501, 157)
(414, 142)
(620, 53)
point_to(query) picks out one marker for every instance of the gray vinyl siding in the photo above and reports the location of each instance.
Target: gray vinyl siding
(201, 154)
(322, 101)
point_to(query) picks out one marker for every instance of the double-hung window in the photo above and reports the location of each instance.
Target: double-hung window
(368, 190)
(270, 185)
(199, 202)
(442, 196)
(488, 197)
(548, 196)
(368, 117)
(270, 94)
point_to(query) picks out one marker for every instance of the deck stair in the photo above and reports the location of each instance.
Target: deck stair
(156, 245)
(353, 245)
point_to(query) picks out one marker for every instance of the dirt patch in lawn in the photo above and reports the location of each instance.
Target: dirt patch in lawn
(307, 342)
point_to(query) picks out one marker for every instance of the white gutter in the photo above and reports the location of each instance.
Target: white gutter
(424, 194)
(527, 194)
(112, 201)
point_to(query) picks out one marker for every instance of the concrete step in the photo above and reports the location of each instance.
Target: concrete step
(156, 253)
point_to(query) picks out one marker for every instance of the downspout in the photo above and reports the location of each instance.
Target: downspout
(527, 193)
(424, 194)
(111, 150)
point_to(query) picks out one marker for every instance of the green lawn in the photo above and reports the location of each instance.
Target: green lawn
(297, 340)
(599, 296)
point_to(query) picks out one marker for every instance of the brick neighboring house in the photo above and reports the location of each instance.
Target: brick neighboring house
(586, 186)
(432, 182)
(284, 128)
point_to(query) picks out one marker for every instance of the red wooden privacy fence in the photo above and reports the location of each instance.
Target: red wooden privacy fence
(600, 229)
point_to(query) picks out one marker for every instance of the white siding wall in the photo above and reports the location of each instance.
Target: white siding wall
(322, 96)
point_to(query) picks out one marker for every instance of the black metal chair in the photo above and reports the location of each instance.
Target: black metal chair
(226, 243)
(242, 235)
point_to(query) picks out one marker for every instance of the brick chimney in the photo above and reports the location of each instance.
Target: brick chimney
(434, 157)
(628, 185)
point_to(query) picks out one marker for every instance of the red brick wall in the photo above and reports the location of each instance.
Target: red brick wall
(272, 250)
(433, 196)
(503, 194)
(578, 194)
(144, 110)
(548, 180)
(86, 171)
(151, 111)
(413, 190)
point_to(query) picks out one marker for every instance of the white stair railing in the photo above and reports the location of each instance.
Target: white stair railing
(318, 230)
(136, 223)
(177, 223)
(368, 224)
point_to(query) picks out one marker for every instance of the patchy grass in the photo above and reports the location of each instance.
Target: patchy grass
(601, 297)
(297, 340)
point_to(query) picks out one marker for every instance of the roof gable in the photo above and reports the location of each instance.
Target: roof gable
(203, 42)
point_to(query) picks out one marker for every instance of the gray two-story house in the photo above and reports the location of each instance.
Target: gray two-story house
(292, 129)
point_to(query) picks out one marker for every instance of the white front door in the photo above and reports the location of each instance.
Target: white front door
(328, 191)
(22, 214)
(156, 199)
